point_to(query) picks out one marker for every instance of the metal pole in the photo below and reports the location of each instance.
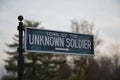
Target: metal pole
(20, 49)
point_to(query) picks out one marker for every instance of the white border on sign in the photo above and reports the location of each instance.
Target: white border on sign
(25, 42)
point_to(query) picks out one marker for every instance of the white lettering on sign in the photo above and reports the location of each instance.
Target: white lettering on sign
(85, 44)
(59, 40)
(46, 40)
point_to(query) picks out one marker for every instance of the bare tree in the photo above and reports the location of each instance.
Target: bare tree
(110, 67)
(84, 27)
(82, 62)
(105, 70)
(115, 50)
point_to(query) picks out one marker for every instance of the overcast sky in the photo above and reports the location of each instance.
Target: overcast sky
(57, 14)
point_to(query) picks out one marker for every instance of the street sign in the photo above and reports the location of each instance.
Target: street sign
(48, 41)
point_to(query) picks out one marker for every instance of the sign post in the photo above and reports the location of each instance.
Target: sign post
(20, 49)
(48, 41)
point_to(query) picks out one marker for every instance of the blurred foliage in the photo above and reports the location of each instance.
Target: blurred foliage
(38, 66)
